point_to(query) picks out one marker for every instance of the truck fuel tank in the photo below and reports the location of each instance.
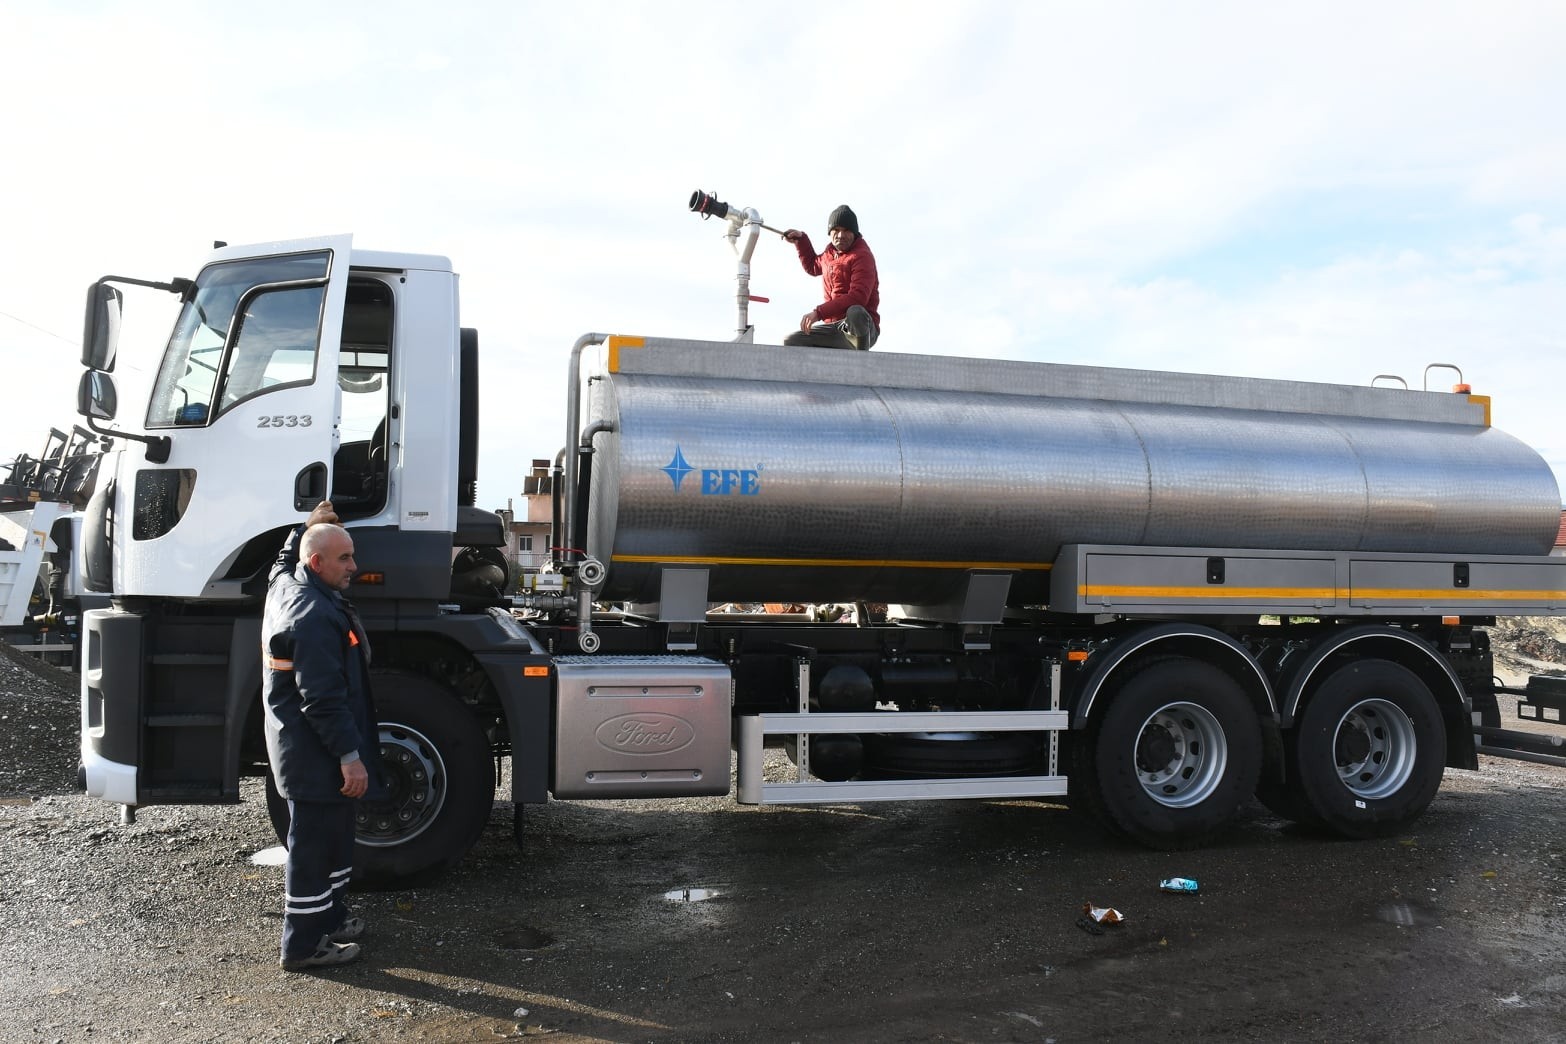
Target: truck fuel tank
(641, 726)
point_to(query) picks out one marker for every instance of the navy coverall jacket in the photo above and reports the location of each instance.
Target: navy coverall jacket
(316, 684)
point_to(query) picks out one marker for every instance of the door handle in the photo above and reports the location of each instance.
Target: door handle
(310, 486)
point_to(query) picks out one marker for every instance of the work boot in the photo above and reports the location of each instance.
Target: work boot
(352, 928)
(327, 955)
(858, 328)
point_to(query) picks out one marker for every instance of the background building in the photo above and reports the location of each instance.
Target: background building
(527, 530)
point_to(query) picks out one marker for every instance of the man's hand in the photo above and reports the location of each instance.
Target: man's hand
(355, 779)
(793, 235)
(809, 320)
(324, 512)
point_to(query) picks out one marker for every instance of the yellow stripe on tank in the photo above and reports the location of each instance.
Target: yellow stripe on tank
(1482, 401)
(1296, 594)
(618, 341)
(1466, 594)
(1291, 594)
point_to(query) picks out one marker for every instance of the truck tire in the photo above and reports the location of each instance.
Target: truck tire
(1171, 758)
(1370, 749)
(1285, 801)
(435, 760)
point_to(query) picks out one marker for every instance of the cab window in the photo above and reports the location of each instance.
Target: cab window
(248, 327)
(360, 470)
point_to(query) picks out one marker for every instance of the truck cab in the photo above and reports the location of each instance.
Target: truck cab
(291, 376)
(295, 372)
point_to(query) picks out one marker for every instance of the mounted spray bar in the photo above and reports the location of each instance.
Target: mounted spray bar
(580, 576)
(709, 206)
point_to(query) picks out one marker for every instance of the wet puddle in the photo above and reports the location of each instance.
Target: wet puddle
(523, 937)
(1406, 914)
(691, 895)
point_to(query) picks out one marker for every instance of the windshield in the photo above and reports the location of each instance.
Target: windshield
(250, 326)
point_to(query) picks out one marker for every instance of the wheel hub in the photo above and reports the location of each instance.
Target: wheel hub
(1181, 755)
(1353, 744)
(1155, 748)
(415, 780)
(1375, 748)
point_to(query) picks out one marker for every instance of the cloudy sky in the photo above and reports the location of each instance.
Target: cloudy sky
(1324, 191)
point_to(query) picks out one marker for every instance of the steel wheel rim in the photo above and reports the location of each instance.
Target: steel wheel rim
(1181, 754)
(1374, 748)
(416, 783)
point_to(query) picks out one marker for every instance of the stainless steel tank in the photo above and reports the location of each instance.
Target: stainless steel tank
(818, 475)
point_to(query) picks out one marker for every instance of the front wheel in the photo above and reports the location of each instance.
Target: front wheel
(1173, 757)
(439, 787)
(1370, 749)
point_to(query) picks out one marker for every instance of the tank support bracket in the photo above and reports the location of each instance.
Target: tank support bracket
(982, 600)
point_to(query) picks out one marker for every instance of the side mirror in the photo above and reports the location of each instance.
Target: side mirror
(95, 396)
(101, 333)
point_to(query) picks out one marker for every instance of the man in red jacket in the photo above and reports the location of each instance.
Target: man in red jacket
(849, 317)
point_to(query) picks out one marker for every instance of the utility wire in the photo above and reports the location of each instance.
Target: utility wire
(35, 326)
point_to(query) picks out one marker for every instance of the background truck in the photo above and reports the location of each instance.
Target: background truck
(1155, 594)
(41, 596)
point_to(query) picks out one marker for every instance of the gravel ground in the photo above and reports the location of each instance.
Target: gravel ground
(938, 922)
(40, 727)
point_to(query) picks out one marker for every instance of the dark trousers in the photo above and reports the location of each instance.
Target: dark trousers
(832, 335)
(320, 861)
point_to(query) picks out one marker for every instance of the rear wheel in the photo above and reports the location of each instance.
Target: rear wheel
(434, 759)
(1173, 756)
(1370, 749)
(1285, 800)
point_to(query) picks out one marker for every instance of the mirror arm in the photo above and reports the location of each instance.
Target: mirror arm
(177, 285)
(158, 446)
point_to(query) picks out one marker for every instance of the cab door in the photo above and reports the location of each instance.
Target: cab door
(247, 394)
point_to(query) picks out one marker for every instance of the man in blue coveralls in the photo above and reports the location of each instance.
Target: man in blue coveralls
(321, 734)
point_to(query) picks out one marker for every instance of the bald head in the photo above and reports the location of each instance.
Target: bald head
(328, 550)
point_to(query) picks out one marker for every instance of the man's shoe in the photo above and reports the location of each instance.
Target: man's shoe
(349, 930)
(328, 955)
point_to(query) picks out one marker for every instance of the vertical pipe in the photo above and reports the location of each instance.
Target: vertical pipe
(556, 494)
(578, 534)
(752, 224)
(573, 423)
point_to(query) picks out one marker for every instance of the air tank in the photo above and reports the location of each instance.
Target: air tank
(821, 475)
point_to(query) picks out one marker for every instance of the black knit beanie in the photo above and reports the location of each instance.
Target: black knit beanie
(842, 217)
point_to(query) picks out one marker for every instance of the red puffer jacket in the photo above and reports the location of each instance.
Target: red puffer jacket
(848, 278)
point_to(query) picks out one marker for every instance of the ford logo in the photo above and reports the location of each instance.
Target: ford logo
(645, 733)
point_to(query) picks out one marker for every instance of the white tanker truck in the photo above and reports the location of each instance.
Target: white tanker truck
(1152, 594)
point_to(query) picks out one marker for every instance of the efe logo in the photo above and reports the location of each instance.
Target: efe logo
(745, 482)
